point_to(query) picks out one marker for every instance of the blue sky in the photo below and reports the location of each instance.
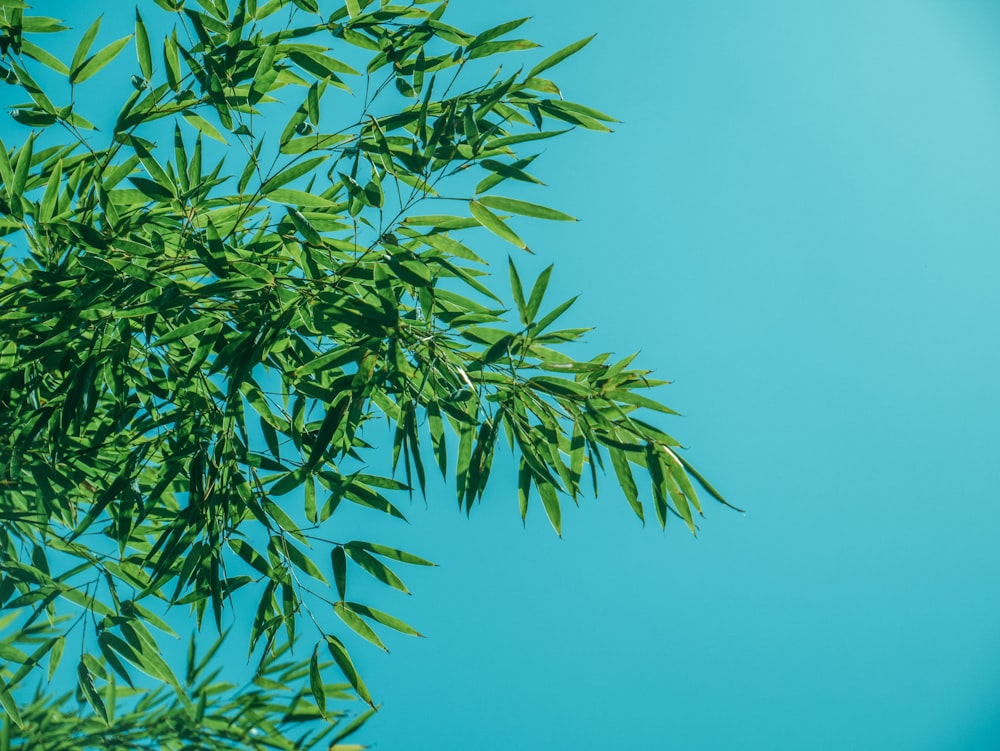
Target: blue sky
(796, 224)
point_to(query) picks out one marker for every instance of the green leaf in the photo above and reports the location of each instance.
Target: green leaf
(304, 227)
(292, 172)
(86, 683)
(6, 169)
(375, 567)
(523, 487)
(384, 618)
(299, 559)
(394, 553)
(85, 43)
(312, 101)
(172, 61)
(316, 682)
(98, 61)
(291, 197)
(36, 24)
(704, 483)
(188, 329)
(625, 480)
(44, 57)
(524, 208)
(51, 195)
(9, 705)
(339, 653)
(143, 657)
(494, 48)
(518, 290)
(339, 563)
(494, 224)
(354, 621)
(550, 501)
(558, 57)
(537, 293)
(142, 49)
(204, 126)
(21, 168)
(498, 31)
(10, 653)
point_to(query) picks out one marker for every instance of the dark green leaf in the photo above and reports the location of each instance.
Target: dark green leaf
(86, 683)
(339, 653)
(375, 567)
(316, 682)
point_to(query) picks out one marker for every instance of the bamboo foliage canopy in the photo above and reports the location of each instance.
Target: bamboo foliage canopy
(211, 301)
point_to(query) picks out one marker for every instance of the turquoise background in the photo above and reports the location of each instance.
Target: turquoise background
(796, 222)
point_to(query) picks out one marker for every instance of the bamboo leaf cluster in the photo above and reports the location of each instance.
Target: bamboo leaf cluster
(210, 304)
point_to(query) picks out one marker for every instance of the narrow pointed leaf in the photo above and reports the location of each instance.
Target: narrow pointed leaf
(142, 49)
(494, 224)
(86, 683)
(357, 624)
(99, 60)
(316, 682)
(339, 653)
(204, 126)
(80, 55)
(558, 57)
(524, 208)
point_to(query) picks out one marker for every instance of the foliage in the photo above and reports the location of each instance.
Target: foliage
(197, 336)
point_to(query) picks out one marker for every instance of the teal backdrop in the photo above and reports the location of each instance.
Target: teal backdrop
(797, 222)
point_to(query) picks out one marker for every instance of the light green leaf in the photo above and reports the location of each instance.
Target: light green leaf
(24, 155)
(625, 480)
(9, 705)
(51, 195)
(98, 61)
(518, 290)
(172, 61)
(292, 172)
(299, 198)
(142, 49)
(537, 293)
(85, 43)
(204, 126)
(524, 208)
(550, 501)
(44, 57)
(558, 57)
(494, 224)
(384, 618)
